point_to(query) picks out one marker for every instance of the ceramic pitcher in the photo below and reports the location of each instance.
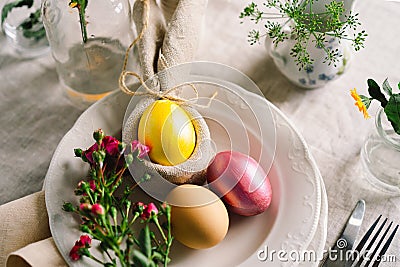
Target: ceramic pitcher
(319, 72)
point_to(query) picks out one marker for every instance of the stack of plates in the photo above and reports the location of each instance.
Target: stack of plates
(291, 230)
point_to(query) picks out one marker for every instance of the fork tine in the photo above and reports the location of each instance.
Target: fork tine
(367, 235)
(385, 247)
(359, 260)
(378, 245)
(376, 235)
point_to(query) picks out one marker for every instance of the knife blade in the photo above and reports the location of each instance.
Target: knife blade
(336, 256)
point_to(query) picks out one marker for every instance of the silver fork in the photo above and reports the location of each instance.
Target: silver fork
(361, 254)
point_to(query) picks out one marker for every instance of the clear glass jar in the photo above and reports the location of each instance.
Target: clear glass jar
(381, 156)
(24, 29)
(89, 69)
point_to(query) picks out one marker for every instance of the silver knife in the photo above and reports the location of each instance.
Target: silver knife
(339, 254)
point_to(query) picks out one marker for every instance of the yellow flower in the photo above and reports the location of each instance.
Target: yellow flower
(73, 4)
(361, 107)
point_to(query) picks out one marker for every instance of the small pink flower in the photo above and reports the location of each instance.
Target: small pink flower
(80, 184)
(85, 240)
(111, 145)
(92, 185)
(85, 207)
(98, 209)
(89, 152)
(149, 210)
(138, 207)
(73, 254)
(143, 149)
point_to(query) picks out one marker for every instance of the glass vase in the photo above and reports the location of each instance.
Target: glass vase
(381, 156)
(89, 48)
(23, 27)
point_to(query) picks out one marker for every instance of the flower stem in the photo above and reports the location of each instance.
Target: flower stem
(155, 219)
(108, 254)
(134, 219)
(82, 22)
(106, 224)
(96, 259)
(119, 174)
(88, 192)
(170, 238)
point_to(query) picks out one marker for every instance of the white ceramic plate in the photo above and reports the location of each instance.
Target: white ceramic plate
(296, 215)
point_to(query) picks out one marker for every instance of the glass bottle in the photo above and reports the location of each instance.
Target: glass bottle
(89, 48)
(381, 156)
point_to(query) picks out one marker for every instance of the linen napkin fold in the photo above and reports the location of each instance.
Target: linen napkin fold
(43, 253)
(23, 223)
(172, 33)
(168, 8)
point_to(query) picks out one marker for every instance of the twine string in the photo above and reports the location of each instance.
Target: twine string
(149, 92)
(124, 72)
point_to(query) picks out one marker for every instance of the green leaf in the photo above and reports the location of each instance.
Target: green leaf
(386, 87)
(248, 10)
(375, 92)
(27, 26)
(28, 29)
(68, 207)
(373, 85)
(145, 241)
(392, 111)
(36, 35)
(84, 252)
(10, 6)
(140, 259)
(366, 101)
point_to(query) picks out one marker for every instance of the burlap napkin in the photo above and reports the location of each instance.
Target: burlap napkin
(172, 33)
(25, 235)
(168, 39)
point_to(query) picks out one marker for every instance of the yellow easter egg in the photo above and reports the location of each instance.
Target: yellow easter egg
(169, 132)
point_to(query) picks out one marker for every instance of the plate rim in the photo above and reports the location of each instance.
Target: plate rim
(317, 175)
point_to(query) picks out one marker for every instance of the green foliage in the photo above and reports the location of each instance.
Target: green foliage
(307, 24)
(391, 107)
(28, 29)
(392, 111)
(145, 242)
(375, 92)
(386, 87)
(32, 27)
(366, 101)
(10, 6)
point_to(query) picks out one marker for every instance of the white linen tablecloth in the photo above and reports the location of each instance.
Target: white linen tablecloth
(35, 115)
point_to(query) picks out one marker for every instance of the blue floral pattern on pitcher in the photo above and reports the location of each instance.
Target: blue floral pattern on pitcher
(320, 72)
(309, 81)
